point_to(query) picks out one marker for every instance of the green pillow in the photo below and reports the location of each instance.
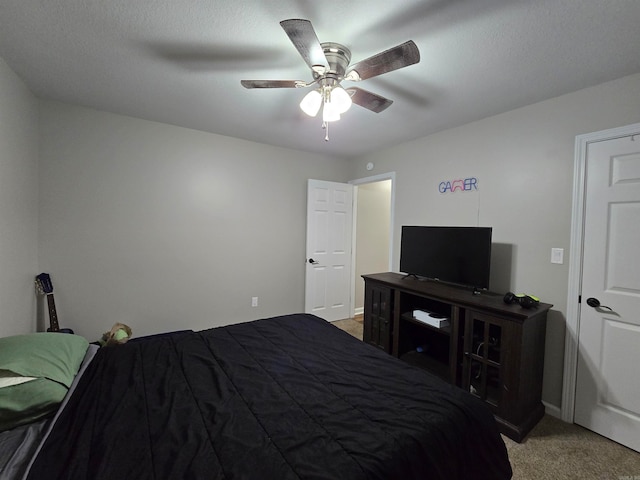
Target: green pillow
(28, 402)
(53, 358)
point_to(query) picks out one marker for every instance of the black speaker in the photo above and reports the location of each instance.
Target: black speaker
(525, 301)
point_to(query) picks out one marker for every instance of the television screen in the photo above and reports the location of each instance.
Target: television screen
(459, 255)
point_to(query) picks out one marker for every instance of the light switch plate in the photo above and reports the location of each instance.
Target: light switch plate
(557, 255)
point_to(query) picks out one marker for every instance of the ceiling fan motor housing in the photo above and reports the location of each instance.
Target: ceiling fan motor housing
(338, 58)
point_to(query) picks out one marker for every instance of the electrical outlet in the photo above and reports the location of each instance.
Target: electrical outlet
(254, 301)
(557, 255)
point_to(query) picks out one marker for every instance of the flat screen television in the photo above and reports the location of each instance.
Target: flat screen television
(457, 255)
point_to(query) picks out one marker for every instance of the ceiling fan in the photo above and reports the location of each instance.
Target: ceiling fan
(329, 63)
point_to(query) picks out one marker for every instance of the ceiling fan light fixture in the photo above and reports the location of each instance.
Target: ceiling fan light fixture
(311, 103)
(330, 113)
(340, 99)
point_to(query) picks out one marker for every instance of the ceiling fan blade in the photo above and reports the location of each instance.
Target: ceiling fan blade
(397, 57)
(303, 36)
(368, 100)
(269, 83)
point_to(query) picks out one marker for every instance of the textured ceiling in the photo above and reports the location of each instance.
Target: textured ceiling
(181, 61)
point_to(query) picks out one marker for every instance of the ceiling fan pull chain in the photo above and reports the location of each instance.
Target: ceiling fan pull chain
(325, 125)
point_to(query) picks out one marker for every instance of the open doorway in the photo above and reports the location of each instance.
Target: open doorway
(373, 231)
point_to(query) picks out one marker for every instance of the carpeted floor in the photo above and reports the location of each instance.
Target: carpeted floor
(556, 450)
(350, 325)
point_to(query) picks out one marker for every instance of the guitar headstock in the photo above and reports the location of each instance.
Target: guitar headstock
(43, 284)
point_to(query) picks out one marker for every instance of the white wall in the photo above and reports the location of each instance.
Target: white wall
(163, 228)
(523, 160)
(18, 204)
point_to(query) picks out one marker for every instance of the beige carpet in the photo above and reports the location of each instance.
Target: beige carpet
(352, 326)
(558, 450)
(555, 450)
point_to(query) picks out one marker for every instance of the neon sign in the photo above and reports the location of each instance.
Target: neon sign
(462, 185)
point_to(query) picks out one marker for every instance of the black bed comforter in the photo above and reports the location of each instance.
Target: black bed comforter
(282, 398)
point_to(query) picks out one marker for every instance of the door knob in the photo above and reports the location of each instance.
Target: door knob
(595, 303)
(312, 261)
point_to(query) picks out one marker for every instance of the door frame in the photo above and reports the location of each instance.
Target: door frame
(569, 379)
(361, 181)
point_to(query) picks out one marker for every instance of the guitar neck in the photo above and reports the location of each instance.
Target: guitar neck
(53, 316)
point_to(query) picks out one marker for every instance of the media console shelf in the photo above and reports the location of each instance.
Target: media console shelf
(489, 348)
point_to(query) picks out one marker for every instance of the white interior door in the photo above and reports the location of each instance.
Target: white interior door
(607, 382)
(329, 233)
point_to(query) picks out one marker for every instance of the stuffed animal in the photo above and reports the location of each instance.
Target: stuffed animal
(118, 334)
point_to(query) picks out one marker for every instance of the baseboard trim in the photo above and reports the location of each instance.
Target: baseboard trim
(358, 311)
(552, 410)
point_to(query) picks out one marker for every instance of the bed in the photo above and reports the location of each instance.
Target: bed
(290, 397)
